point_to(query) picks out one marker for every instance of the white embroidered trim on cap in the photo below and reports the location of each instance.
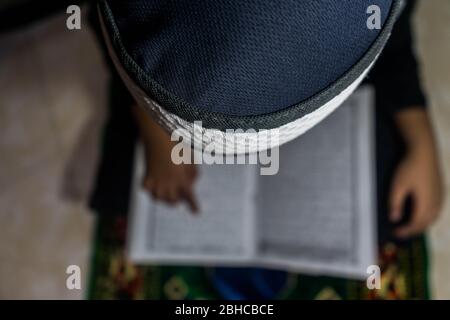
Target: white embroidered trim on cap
(247, 142)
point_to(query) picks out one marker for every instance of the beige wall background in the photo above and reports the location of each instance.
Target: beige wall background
(52, 102)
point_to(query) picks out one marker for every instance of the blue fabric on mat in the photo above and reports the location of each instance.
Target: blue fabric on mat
(249, 283)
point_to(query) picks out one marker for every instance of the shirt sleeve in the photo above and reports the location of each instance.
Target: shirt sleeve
(396, 74)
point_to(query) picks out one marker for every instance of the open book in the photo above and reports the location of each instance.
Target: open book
(315, 216)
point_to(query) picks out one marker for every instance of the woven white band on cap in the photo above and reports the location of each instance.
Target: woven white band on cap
(224, 142)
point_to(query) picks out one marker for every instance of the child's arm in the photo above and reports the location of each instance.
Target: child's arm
(418, 175)
(163, 179)
(400, 97)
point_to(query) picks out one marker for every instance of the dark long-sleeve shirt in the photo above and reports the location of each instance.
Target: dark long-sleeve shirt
(396, 74)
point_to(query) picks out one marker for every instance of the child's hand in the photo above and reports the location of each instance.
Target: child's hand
(169, 182)
(163, 179)
(417, 176)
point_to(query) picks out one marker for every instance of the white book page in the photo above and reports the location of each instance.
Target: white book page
(220, 233)
(316, 215)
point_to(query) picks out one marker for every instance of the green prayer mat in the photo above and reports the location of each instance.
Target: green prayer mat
(404, 274)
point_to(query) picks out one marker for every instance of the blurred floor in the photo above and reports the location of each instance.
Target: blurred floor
(53, 86)
(433, 35)
(52, 102)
